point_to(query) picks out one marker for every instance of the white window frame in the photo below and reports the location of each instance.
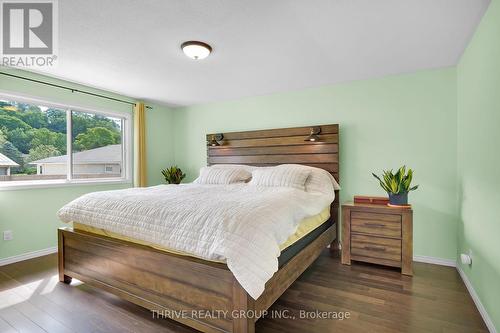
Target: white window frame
(127, 135)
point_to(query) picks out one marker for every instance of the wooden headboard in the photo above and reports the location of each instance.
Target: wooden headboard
(281, 146)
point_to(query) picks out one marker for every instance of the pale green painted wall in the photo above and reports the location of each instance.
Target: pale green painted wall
(31, 214)
(159, 142)
(479, 159)
(406, 119)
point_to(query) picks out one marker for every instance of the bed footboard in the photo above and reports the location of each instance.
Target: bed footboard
(197, 293)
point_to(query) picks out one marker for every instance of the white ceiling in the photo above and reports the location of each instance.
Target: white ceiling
(260, 46)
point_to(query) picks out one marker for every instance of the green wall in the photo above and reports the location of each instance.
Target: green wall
(384, 123)
(479, 159)
(31, 213)
(159, 142)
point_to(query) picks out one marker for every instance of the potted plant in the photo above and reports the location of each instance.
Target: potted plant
(173, 175)
(397, 185)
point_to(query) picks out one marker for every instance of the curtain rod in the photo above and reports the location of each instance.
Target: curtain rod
(71, 89)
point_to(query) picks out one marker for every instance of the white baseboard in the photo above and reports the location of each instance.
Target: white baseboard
(477, 301)
(29, 255)
(435, 261)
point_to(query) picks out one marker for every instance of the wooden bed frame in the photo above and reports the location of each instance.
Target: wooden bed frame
(187, 289)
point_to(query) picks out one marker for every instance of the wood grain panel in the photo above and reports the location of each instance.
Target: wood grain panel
(377, 216)
(346, 236)
(317, 148)
(173, 288)
(376, 227)
(142, 254)
(153, 264)
(277, 159)
(242, 302)
(376, 247)
(278, 141)
(407, 242)
(389, 243)
(279, 132)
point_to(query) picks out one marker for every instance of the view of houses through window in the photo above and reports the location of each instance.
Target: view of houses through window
(33, 143)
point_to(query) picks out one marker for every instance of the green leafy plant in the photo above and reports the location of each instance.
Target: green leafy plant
(396, 183)
(173, 175)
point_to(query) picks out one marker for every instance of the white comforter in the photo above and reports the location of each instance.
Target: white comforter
(241, 224)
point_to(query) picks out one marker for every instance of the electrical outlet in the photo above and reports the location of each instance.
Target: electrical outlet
(8, 235)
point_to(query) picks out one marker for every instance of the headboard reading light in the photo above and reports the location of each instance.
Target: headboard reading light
(214, 140)
(314, 135)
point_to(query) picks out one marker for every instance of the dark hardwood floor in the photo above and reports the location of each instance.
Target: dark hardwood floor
(378, 300)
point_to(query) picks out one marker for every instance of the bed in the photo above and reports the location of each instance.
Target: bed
(171, 283)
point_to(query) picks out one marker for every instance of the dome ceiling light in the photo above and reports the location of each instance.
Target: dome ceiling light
(196, 50)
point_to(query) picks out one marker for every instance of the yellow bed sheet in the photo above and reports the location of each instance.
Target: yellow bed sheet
(305, 226)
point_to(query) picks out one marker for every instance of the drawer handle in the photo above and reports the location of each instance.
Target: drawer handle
(377, 225)
(375, 248)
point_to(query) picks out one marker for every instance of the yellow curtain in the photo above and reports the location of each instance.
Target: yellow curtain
(140, 178)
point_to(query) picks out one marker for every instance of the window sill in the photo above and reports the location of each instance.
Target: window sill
(26, 185)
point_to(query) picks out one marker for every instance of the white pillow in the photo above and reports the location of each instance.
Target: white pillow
(222, 175)
(281, 175)
(319, 180)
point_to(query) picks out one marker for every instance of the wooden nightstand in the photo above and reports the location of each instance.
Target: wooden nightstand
(378, 234)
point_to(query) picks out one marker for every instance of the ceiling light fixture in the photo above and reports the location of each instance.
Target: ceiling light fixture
(196, 50)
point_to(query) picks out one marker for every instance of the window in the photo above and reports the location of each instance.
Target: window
(42, 143)
(97, 144)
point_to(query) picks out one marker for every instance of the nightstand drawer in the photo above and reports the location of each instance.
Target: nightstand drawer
(376, 247)
(376, 224)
